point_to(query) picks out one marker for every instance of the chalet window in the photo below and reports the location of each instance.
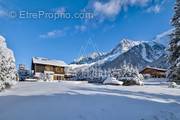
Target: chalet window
(39, 68)
(58, 77)
(49, 68)
(58, 69)
(62, 70)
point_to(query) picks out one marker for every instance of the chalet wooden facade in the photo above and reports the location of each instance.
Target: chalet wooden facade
(53, 69)
(154, 72)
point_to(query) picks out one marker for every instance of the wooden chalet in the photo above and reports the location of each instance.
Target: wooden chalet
(54, 69)
(154, 72)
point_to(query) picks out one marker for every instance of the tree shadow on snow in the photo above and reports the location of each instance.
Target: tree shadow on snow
(73, 105)
(167, 97)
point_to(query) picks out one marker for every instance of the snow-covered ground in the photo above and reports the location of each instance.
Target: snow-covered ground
(83, 101)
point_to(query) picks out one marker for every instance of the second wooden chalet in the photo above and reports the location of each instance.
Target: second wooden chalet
(154, 72)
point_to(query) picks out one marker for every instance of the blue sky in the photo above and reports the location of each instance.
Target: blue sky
(62, 39)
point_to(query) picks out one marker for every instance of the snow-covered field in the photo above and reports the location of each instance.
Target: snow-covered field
(83, 101)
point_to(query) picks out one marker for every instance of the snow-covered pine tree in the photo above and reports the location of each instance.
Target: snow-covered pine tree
(7, 65)
(174, 50)
(128, 74)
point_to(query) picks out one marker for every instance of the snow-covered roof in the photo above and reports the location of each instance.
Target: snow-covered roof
(46, 61)
(161, 69)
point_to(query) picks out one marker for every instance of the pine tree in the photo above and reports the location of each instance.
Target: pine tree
(7, 65)
(127, 73)
(174, 56)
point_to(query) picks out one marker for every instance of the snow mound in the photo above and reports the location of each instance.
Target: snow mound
(172, 85)
(112, 81)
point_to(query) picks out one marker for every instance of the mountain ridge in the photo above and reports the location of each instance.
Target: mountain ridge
(137, 53)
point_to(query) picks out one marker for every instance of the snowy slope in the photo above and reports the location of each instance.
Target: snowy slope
(144, 54)
(83, 101)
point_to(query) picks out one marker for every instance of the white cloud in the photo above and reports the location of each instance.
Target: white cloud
(157, 7)
(61, 10)
(154, 9)
(108, 9)
(2, 13)
(64, 31)
(80, 28)
(112, 8)
(136, 2)
(53, 34)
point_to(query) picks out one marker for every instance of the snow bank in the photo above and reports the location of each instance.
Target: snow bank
(172, 85)
(112, 81)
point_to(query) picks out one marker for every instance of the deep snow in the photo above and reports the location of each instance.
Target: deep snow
(83, 101)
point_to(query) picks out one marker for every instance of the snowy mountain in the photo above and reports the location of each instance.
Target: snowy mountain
(138, 53)
(161, 62)
(124, 46)
(121, 48)
(88, 59)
